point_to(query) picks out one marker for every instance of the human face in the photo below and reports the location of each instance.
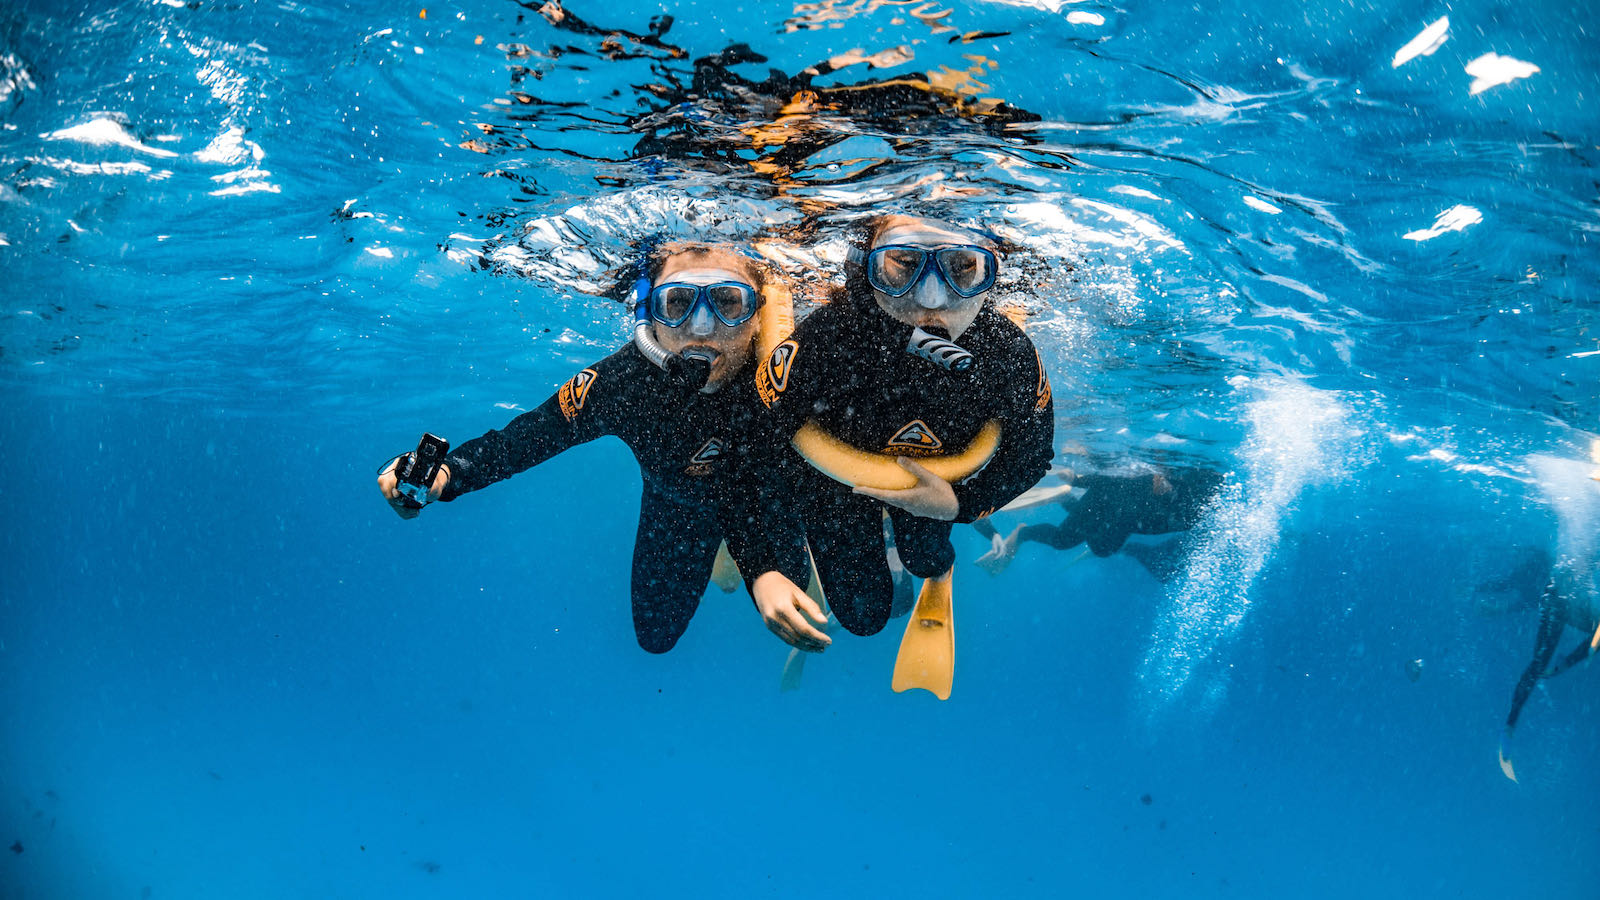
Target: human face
(930, 303)
(727, 347)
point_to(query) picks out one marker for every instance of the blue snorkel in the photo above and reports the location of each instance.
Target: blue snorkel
(692, 372)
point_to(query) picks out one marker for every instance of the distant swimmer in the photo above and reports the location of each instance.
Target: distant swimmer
(1570, 597)
(1558, 611)
(682, 397)
(1103, 511)
(909, 394)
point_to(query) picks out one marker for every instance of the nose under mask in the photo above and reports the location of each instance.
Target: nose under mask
(702, 323)
(931, 295)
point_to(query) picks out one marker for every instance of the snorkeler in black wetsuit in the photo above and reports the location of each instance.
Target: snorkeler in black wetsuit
(1112, 508)
(848, 371)
(704, 479)
(1564, 603)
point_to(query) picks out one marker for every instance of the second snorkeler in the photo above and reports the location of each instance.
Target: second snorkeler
(912, 369)
(681, 396)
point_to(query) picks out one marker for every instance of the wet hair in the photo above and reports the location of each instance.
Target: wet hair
(723, 255)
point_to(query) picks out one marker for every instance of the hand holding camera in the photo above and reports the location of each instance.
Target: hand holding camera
(413, 480)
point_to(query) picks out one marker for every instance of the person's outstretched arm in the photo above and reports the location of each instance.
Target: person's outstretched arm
(577, 413)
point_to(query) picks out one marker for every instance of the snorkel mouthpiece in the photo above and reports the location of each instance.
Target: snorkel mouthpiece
(940, 351)
(691, 371)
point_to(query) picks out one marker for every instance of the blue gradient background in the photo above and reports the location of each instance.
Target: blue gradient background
(229, 670)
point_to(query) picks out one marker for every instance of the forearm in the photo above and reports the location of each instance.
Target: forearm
(528, 440)
(762, 524)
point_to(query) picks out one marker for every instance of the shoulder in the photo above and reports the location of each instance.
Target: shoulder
(611, 377)
(995, 337)
(822, 323)
(1000, 331)
(1015, 357)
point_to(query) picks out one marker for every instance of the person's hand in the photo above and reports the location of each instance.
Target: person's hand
(931, 498)
(785, 608)
(389, 485)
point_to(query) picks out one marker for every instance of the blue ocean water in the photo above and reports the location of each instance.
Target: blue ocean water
(252, 250)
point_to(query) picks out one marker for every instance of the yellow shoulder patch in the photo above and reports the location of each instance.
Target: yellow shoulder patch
(773, 377)
(575, 392)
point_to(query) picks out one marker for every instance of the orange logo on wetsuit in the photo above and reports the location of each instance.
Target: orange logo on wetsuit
(1041, 392)
(700, 463)
(917, 439)
(773, 377)
(574, 392)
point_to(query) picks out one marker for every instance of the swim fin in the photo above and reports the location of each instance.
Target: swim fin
(1505, 755)
(793, 668)
(795, 665)
(725, 572)
(927, 657)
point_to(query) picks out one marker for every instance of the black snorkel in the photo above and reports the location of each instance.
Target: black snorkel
(937, 348)
(690, 371)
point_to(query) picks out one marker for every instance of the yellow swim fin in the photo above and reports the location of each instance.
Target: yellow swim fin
(927, 657)
(725, 572)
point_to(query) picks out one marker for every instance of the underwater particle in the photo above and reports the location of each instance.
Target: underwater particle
(16, 847)
(1414, 669)
(429, 866)
(1146, 799)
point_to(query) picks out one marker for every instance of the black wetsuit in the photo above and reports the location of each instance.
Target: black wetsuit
(1116, 506)
(847, 369)
(1558, 610)
(704, 479)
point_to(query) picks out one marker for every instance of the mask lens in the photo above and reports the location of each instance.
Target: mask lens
(969, 270)
(893, 270)
(734, 303)
(670, 304)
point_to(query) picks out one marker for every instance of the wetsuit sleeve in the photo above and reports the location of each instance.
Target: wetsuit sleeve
(769, 534)
(1027, 439)
(577, 413)
(761, 522)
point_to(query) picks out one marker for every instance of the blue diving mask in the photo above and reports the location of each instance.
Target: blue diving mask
(733, 303)
(966, 269)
